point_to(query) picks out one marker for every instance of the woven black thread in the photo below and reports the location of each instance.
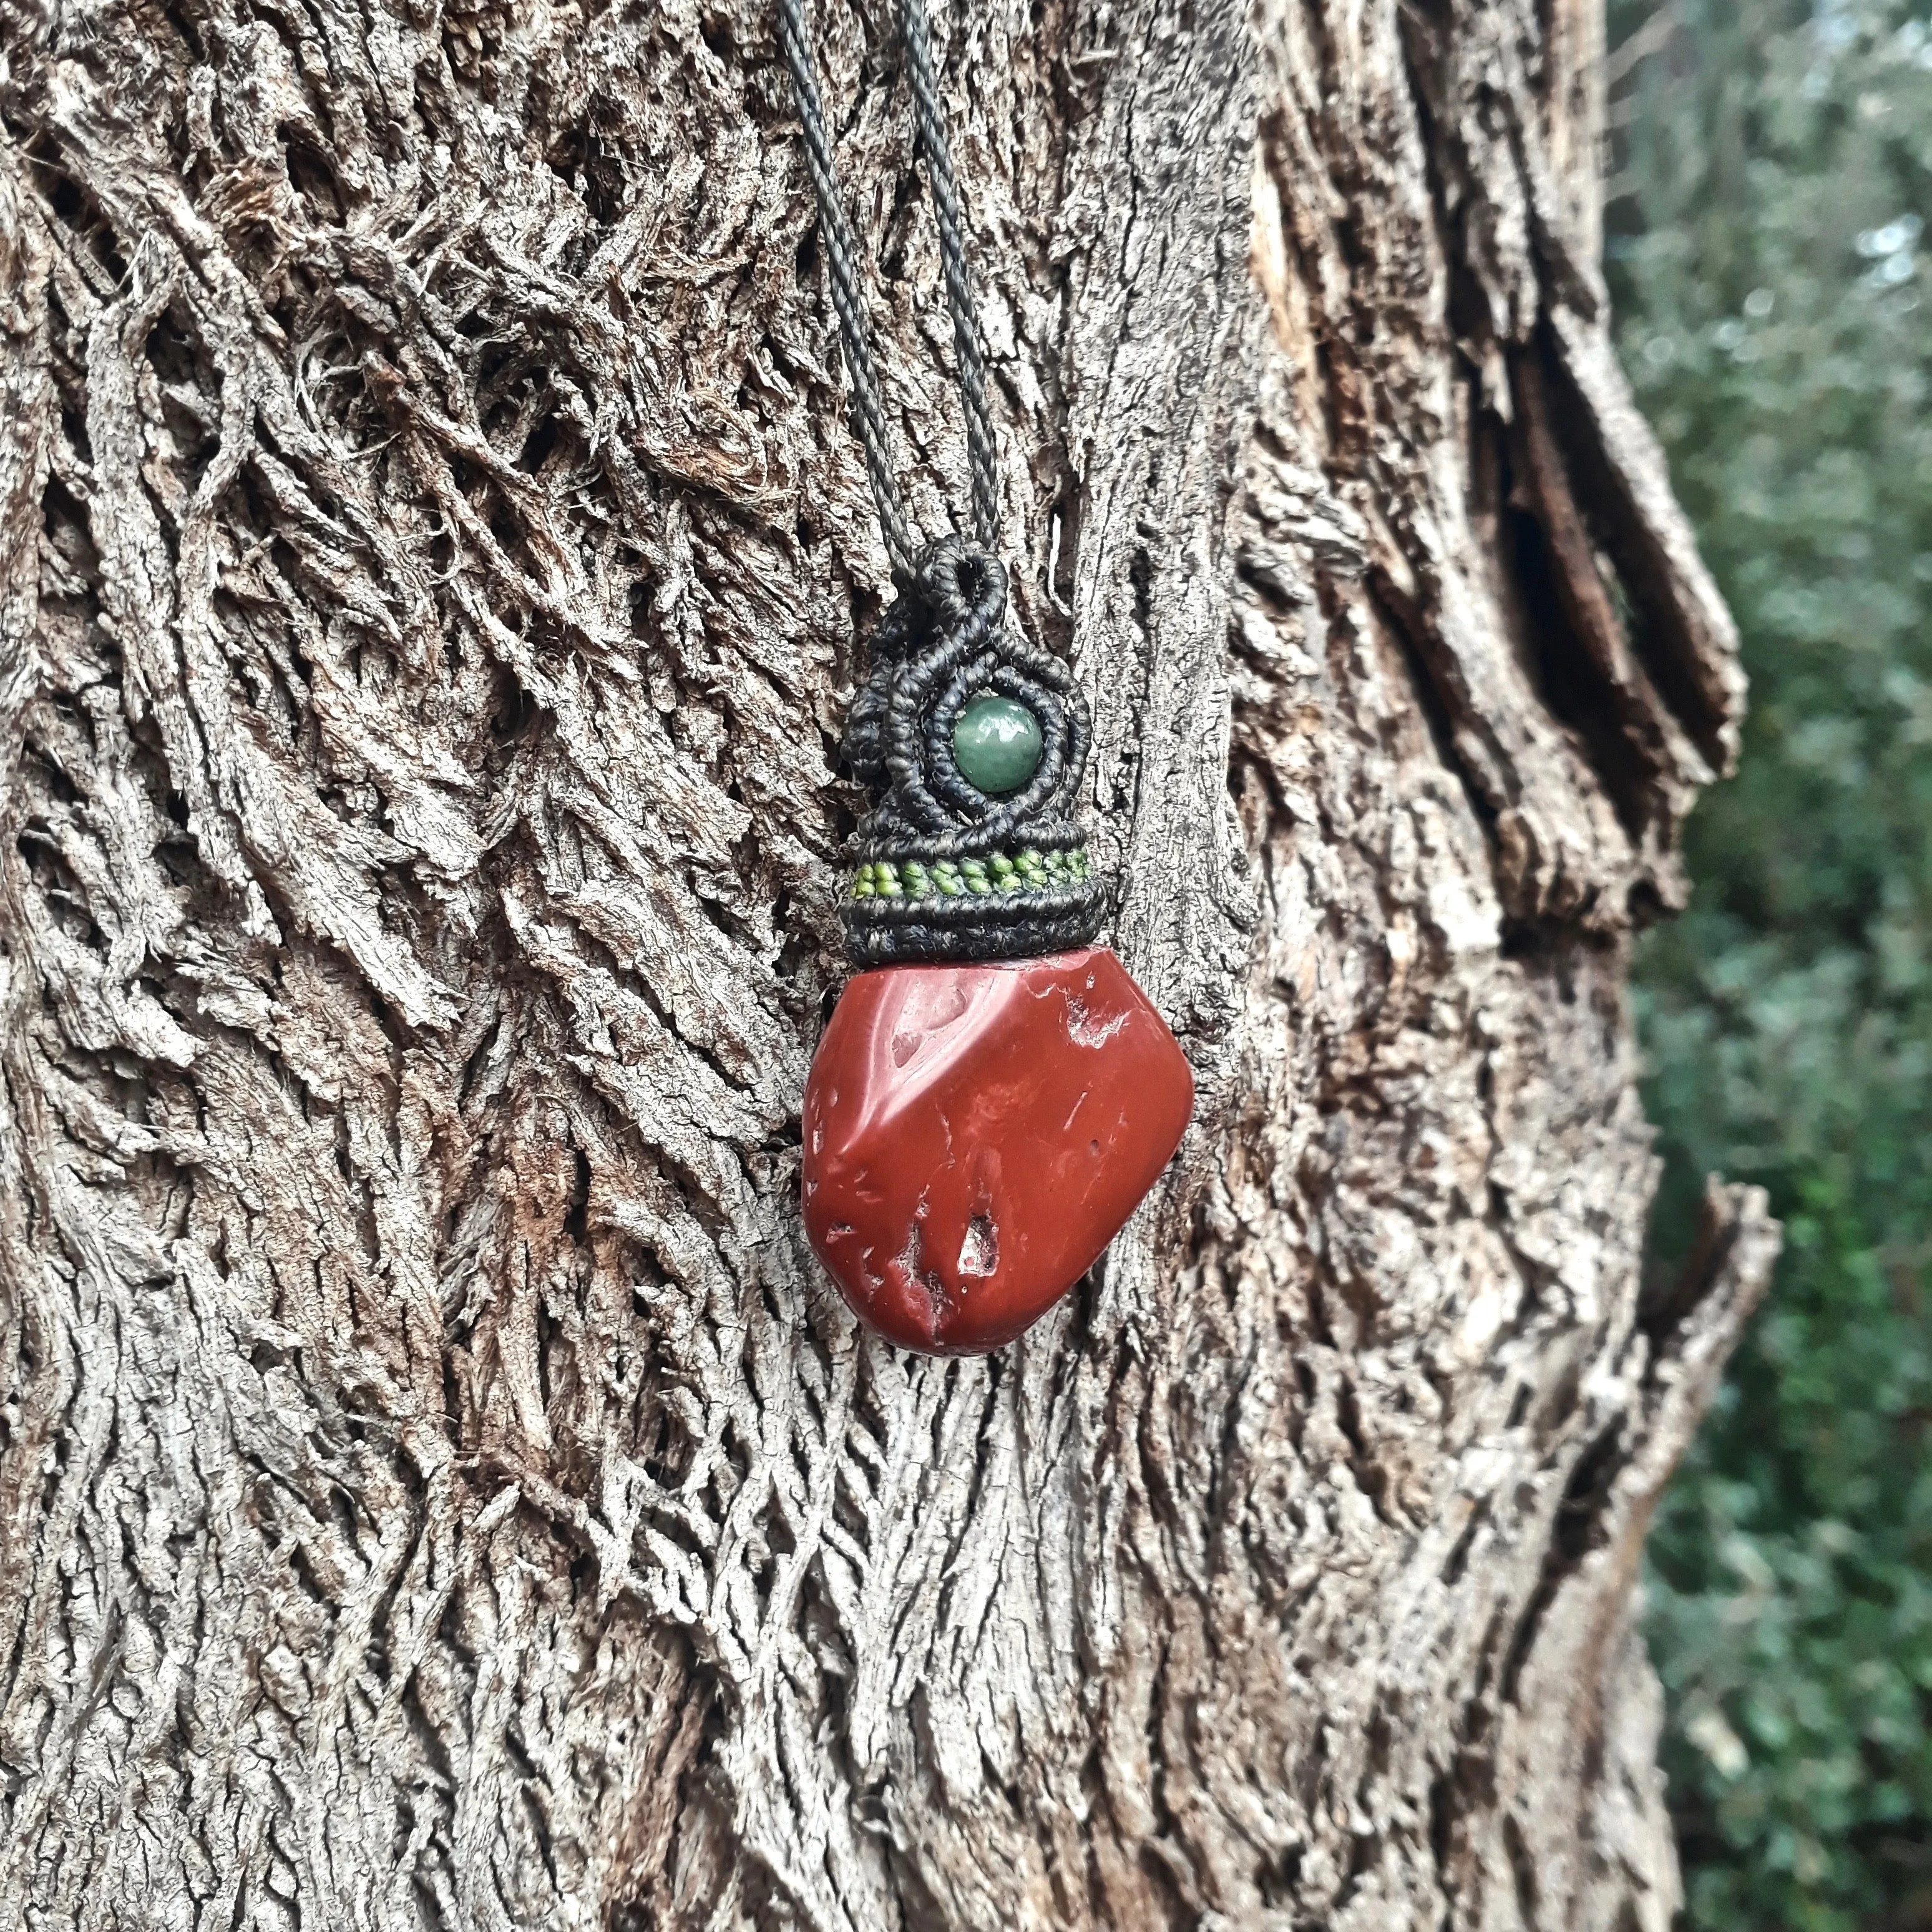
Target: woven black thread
(869, 418)
(931, 121)
(945, 640)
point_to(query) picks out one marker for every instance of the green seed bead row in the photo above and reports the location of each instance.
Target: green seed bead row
(1025, 871)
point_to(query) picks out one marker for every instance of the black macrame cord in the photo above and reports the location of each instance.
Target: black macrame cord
(944, 871)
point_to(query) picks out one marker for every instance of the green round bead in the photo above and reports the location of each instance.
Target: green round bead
(996, 744)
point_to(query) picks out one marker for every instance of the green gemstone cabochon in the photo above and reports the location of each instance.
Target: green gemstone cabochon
(996, 744)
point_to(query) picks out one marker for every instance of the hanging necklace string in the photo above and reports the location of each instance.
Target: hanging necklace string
(959, 857)
(869, 418)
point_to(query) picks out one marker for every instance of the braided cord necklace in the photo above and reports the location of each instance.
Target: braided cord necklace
(869, 418)
(990, 1102)
(973, 742)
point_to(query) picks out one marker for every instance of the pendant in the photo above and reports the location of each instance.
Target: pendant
(976, 1133)
(991, 1101)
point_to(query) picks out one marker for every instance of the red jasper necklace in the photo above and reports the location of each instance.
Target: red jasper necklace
(994, 1094)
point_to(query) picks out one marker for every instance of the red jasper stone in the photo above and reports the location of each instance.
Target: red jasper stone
(976, 1135)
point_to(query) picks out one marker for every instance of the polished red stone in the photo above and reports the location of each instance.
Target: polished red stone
(976, 1135)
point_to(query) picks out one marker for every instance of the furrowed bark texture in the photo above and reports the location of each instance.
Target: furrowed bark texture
(437, 1487)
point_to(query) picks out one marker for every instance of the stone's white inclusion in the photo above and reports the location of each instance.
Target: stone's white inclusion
(979, 1251)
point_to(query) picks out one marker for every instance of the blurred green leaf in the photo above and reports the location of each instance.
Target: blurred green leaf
(1768, 255)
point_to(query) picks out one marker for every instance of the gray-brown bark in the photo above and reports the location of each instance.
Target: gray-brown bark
(437, 1487)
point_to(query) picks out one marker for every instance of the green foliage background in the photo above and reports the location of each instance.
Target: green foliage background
(1773, 164)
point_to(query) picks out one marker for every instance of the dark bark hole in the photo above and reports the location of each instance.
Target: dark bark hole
(1458, 1560)
(1405, 627)
(73, 426)
(1578, 1528)
(1442, 1827)
(61, 890)
(545, 434)
(507, 527)
(549, 1338)
(193, 438)
(579, 159)
(1669, 1297)
(312, 175)
(1574, 692)
(77, 212)
(1066, 509)
(512, 716)
(1522, 1865)
(642, 597)
(176, 350)
(1373, 1477)
(577, 1217)
(1645, 577)
(902, 225)
(68, 531)
(1140, 574)
(1276, 1879)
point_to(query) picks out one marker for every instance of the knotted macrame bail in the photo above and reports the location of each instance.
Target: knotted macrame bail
(973, 741)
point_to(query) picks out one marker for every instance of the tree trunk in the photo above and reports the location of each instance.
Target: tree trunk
(439, 1486)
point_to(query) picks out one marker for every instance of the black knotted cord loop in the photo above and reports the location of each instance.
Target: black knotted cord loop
(869, 418)
(931, 119)
(945, 871)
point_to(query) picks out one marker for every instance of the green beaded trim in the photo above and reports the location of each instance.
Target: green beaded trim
(1025, 871)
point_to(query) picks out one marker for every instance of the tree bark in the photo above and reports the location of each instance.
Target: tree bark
(437, 1487)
